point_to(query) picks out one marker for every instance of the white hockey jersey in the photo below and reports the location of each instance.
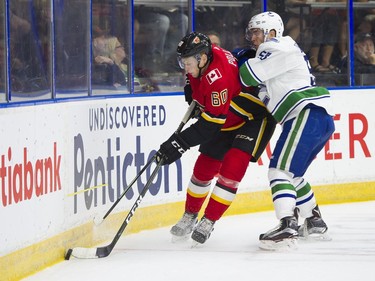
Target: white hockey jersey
(284, 69)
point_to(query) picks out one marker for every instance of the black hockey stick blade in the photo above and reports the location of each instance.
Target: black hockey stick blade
(99, 220)
(68, 254)
(101, 252)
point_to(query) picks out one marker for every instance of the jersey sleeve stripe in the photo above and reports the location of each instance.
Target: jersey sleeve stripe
(252, 98)
(247, 75)
(241, 111)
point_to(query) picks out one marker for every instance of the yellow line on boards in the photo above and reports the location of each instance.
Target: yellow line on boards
(87, 189)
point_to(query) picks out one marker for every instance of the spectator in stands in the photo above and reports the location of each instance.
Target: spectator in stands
(151, 33)
(364, 53)
(325, 34)
(110, 67)
(109, 54)
(364, 59)
(27, 56)
(214, 37)
(179, 25)
(19, 27)
(364, 22)
(290, 12)
(158, 30)
(366, 19)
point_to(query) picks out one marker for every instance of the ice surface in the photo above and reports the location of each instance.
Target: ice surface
(232, 253)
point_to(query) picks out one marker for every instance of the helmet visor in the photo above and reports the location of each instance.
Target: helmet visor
(188, 62)
(250, 32)
(180, 63)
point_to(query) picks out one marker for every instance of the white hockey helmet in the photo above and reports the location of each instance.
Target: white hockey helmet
(266, 22)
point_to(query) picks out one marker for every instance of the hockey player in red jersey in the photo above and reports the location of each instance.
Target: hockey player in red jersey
(232, 129)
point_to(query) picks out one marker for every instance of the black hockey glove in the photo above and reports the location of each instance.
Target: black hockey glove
(172, 149)
(188, 91)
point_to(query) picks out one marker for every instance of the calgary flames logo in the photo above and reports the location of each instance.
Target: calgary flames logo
(196, 40)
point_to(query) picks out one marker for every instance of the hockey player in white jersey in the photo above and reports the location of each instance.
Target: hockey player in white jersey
(282, 71)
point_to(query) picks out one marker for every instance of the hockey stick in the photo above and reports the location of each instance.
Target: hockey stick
(189, 113)
(98, 220)
(101, 252)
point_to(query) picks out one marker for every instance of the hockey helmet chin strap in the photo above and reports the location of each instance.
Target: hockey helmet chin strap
(266, 36)
(198, 58)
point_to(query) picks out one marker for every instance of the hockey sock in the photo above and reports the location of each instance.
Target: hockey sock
(200, 183)
(283, 192)
(221, 198)
(196, 194)
(305, 199)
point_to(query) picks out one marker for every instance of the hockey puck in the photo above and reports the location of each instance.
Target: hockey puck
(68, 254)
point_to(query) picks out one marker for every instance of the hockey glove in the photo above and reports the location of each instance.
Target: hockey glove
(172, 149)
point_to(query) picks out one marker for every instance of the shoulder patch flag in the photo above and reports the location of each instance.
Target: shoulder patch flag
(213, 75)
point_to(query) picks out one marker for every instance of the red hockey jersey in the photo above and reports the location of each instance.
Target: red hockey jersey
(214, 90)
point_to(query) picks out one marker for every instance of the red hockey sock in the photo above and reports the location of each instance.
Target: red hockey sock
(221, 198)
(196, 194)
(200, 183)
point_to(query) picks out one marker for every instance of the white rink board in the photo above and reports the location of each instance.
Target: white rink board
(90, 143)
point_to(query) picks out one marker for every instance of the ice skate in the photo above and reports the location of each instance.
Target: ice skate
(182, 229)
(203, 231)
(314, 227)
(282, 237)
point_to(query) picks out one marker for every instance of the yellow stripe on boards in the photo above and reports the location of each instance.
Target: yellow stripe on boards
(84, 190)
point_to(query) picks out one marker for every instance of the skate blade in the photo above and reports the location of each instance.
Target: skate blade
(283, 245)
(179, 239)
(316, 237)
(194, 244)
